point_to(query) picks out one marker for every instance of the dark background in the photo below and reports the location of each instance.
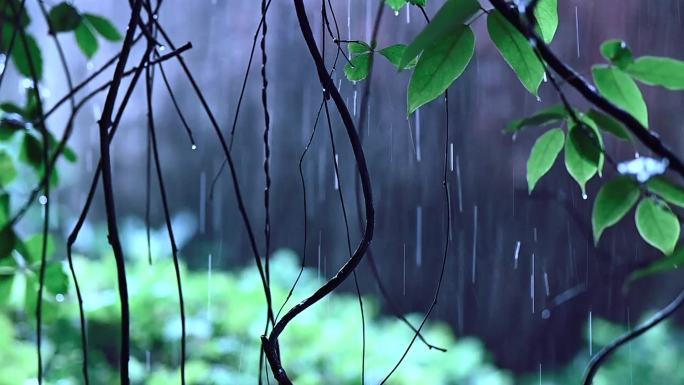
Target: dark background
(491, 210)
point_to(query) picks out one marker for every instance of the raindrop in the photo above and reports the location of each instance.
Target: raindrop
(516, 255)
(396, 13)
(355, 102)
(193, 147)
(591, 342)
(419, 236)
(451, 156)
(584, 196)
(337, 182)
(474, 243)
(90, 66)
(546, 314)
(404, 290)
(59, 298)
(162, 48)
(418, 135)
(532, 283)
(209, 267)
(202, 202)
(577, 31)
(458, 184)
(546, 284)
(320, 234)
(42, 200)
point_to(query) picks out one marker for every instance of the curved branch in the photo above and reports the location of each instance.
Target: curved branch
(589, 92)
(271, 343)
(608, 350)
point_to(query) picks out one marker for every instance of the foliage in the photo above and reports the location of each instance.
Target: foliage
(224, 331)
(443, 50)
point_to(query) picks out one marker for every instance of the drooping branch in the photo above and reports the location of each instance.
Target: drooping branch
(110, 207)
(271, 342)
(589, 92)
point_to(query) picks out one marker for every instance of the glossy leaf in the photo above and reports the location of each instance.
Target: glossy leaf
(582, 155)
(546, 14)
(358, 47)
(394, 54)
(543, 155)
(86, 40)
(617, 52)
(396, 5)
(658, 71)
(359, 66)
(553, 114)
(667, 190)
(7, 170)
(439, 66)
(657, 225)
(618, 87)
(608, 124)
(103, 26)
(64, 17)
(612, 203)
(24, 55)
(516, 50)
(448, 21)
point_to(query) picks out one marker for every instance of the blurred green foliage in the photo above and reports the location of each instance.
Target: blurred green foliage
(225, 318)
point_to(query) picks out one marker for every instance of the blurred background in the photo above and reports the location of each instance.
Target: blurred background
(527, 298)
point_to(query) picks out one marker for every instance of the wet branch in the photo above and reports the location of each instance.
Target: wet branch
(271, 342)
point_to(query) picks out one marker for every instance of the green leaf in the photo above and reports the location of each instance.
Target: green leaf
(608, 124)
(31, 151)
(619, 88)
(658, 71)
(668, 263)
(359, 66)
(4, 210)
(549, 115)
(86, 40)
(582, 155)
(617, 52)
(7, 12)
(103, 26)
(7, 242)
(439, 66)
(666, 190)
(543, 155)
(56, 280)
(32, 248)
(358, 47)
(421, 3)
(516, 50)
(7, 171)
(448, 21)
(546, 14)
(657, 225)
(612, 203)
(63, 17)
(394, 54)
(24, 54)
(396, 5)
